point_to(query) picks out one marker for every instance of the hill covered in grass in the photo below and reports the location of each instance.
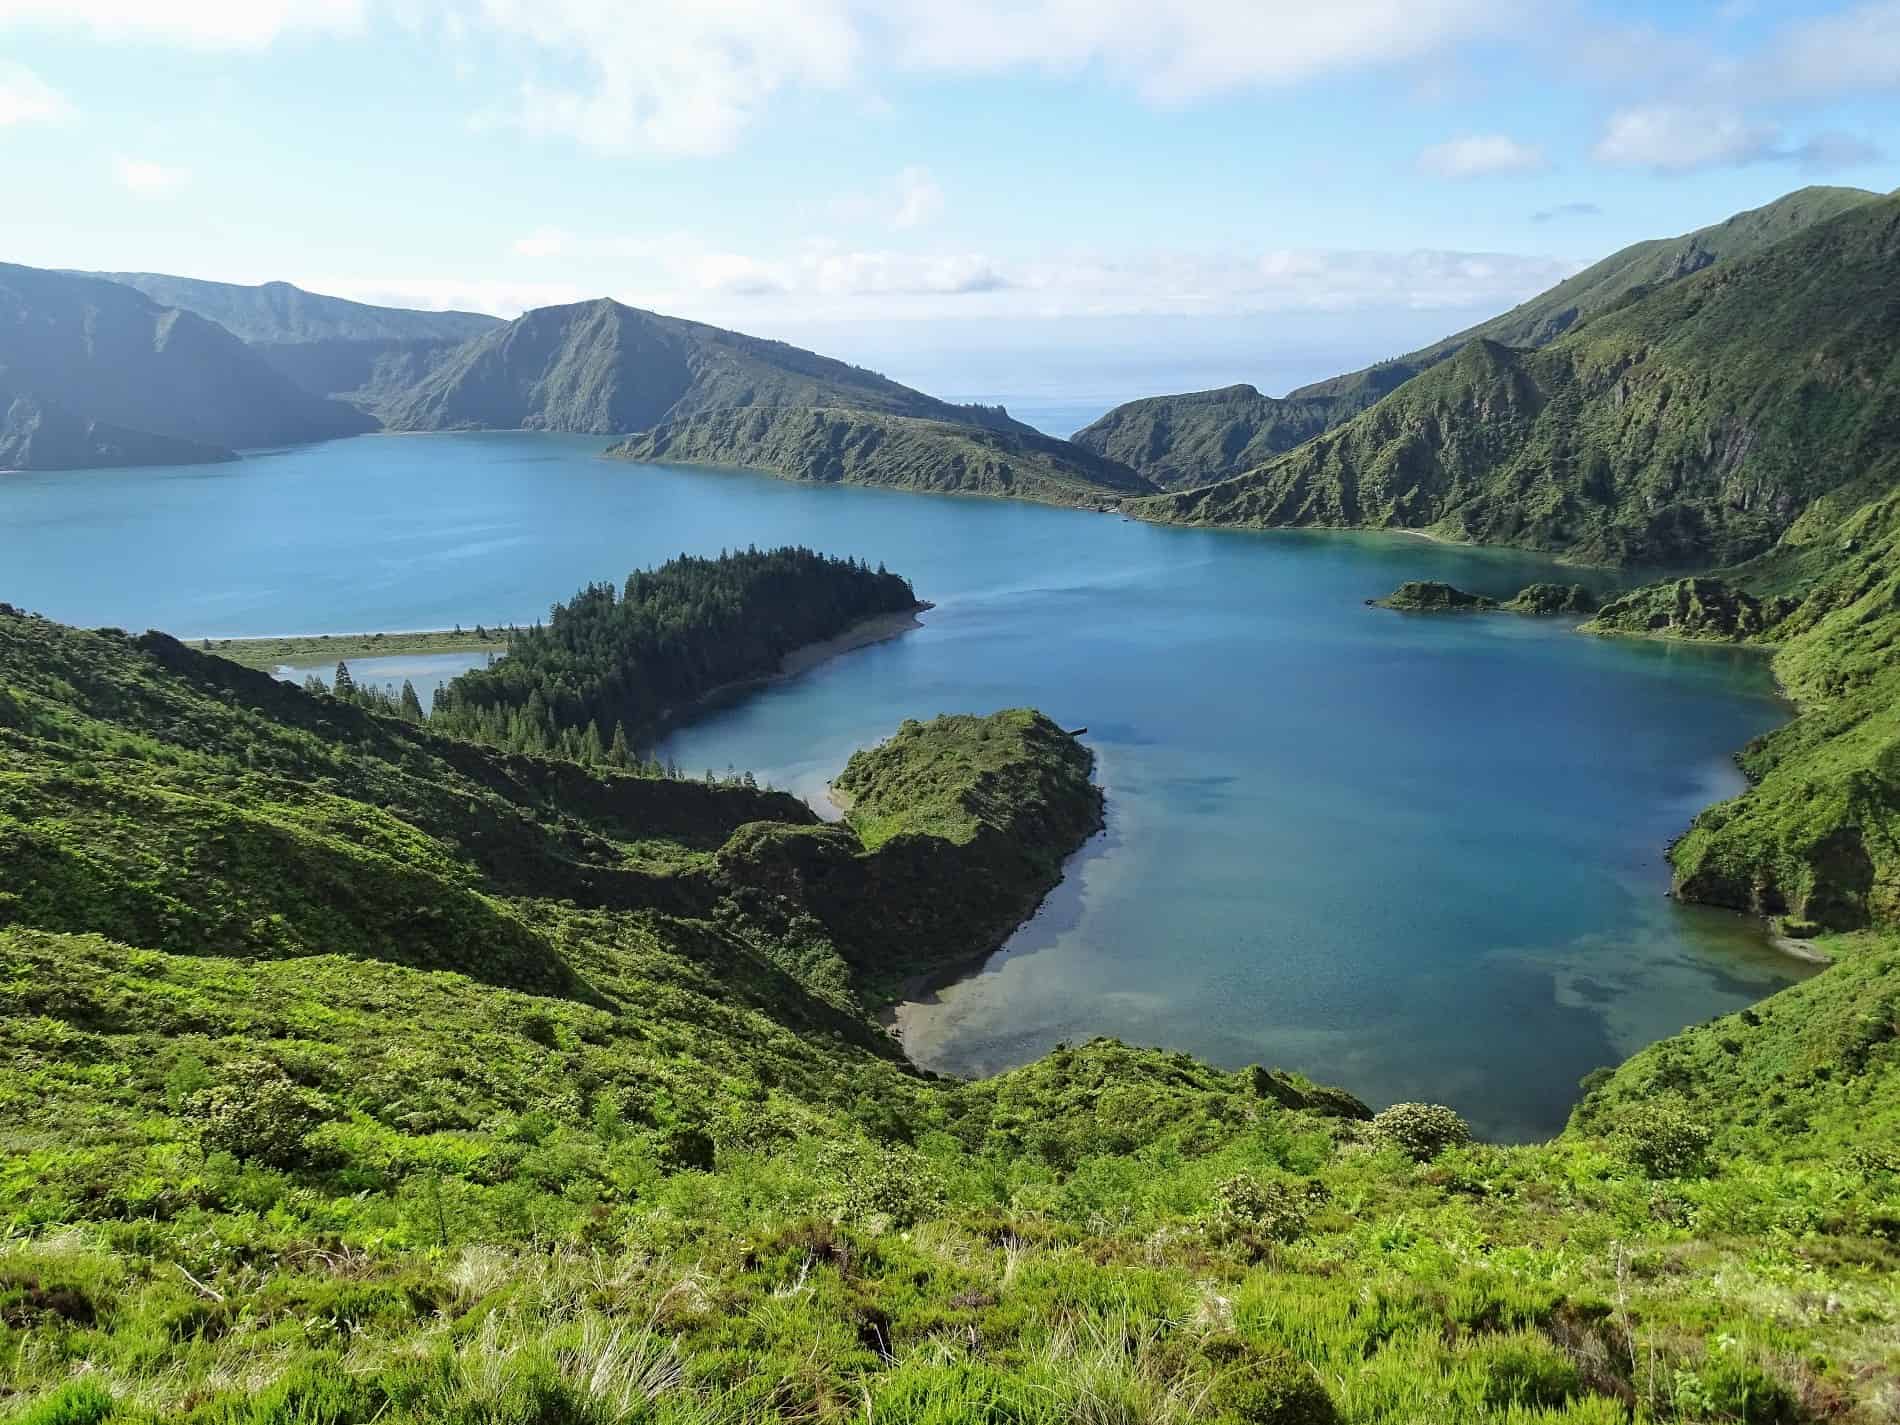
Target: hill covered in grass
(854, 447)
(350, 1071)
(142, 377)
(1693, 425)
(601, 367)
(1202, 437)
(1815, 840)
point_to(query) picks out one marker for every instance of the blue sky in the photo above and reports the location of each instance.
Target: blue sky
(898, 175)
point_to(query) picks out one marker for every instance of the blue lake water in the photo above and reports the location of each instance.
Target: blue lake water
(1420, 857)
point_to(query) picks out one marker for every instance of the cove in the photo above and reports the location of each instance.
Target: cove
(1419, 857)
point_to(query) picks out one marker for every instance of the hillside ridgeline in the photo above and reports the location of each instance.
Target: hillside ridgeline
(141, 377)
(1202, 437)
(603, 368)
(897, 452)
(1693, 425)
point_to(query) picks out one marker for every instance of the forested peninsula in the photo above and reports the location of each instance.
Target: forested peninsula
(610, 666)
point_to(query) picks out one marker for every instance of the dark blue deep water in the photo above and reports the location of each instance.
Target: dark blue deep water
(1417, 856)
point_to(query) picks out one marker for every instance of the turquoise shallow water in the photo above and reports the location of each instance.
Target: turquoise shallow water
(1417, 856)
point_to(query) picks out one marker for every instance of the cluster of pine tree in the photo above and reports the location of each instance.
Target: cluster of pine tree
(601, 677)
(406, 705)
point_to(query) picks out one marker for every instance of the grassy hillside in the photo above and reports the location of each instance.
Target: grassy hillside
(1693, 425)
(490, 1088)
(44, 435)
(854, 447)
(110, 355)
(601, 367)
(1197, 439)
(1194, 439)
(1816, 838)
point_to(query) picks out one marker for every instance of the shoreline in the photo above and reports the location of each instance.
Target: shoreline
(878, 628)
(270, 652)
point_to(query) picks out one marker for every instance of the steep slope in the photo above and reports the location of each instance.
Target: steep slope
(1183, 441)
(328, 346)
(1692, 425)
(855, 447)
(1815, 839)
(1195, 439)
(600, 367)
(350, 1073)
(110, 354)
(43, 435)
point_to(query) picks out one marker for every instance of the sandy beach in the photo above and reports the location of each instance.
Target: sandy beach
(877, 629)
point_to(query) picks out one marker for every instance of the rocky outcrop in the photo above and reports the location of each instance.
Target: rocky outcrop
(1549, 599)
(1707, 608)
(1428, 596)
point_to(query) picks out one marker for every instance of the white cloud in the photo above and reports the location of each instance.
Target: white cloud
(1673, 139)
(1832, 149)
(449, 294)
(147, 179)
(25, 98)
(1670, 138)
(625, 76)
(206, 24)
(1178, 52)
(1479, 156)
(684, 274)
(1856, 51)
(542, 242)
(919, 199)
(630, 75)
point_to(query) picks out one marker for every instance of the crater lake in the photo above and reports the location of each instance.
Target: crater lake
(1418, 856)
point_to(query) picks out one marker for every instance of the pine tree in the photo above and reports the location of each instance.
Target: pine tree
(345, 685)
(620, 754)
(411, 704)
(590, 749)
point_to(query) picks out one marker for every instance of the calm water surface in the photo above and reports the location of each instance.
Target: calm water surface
(1417, 856)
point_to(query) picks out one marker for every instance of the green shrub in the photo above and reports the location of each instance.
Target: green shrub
(1664, 1142)
(1273, 1209)
(1269, 1390)
(893, 1183)
(1526, 1371)
(257, 1114)
(79, 1402)
(1424, 1130)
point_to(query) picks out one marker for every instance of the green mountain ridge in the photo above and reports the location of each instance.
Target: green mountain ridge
(1202, 437)
(1693, 425)
(277, 313)
(110, 355)
(328, 346)
(854, 447)
(603, 368)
